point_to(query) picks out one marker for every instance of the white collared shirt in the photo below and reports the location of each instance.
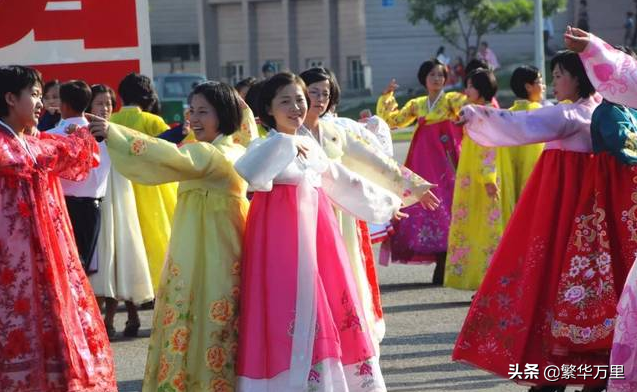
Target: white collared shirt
(95, 184)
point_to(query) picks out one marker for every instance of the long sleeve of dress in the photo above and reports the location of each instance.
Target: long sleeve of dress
(382, 170)
(73, 155)
(612, 72)
(153, 161)
(499, 127)
(265, 159)
(357, 196)
(387, 109)
(248, 130)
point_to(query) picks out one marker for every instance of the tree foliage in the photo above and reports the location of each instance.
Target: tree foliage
(458, 21)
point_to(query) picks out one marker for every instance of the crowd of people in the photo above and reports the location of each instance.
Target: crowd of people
(249, 227)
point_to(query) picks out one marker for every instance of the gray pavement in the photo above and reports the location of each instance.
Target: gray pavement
(422, 325)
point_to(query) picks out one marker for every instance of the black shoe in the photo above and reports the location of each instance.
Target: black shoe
(110, 332)
(131, 329)
(439, 273)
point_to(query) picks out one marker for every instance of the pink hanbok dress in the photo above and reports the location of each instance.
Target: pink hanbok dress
(301, 324)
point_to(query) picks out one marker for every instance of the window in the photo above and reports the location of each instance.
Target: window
(278, 65)
(179, 86)
(184, 52)
(314, 63)
(355, 73)
(234, 72)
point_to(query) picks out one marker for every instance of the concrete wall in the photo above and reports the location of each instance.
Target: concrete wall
(173, 22)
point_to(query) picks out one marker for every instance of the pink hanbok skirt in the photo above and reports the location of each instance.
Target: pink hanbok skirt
(342, 355)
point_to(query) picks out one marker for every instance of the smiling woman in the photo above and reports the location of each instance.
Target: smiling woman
(301, 325)
(194, 334)
(48, 311)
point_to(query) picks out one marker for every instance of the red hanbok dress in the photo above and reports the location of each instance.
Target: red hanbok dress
(52, 337)
(550, 293)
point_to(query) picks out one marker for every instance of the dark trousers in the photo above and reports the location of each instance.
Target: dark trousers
(85, 214)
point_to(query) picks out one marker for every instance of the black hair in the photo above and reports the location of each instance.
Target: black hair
(440, 50)
(472, 65)
(629, 51)
(320, 74)
(226, 102)
(136, 89)
(49, 85)
(271, 87)
(571, 62)
(427, 67)
(485, 43)
(526, 74)
(14, 79)
(98, 89)
(247, 82)
(154, 106)
(76, 94)
(335, 89)
(268, 66)
(252, 96)
(484, 81)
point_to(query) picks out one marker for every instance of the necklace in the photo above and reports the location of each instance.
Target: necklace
(430, 106)
(23, 143)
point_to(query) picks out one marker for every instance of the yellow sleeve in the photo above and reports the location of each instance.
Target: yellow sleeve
(151, 161)
(387, 109)
(248, 131)
(456, 101)
(155, 124)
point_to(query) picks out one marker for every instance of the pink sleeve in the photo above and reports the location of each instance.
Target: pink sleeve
(71, 157)
(612, 72)
(498, 127)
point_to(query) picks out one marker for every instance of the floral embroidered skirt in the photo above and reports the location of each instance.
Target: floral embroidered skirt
(624, 352)
(550, 294)
(52, 337)
(342, 355)
(433, 155)
(193, 342)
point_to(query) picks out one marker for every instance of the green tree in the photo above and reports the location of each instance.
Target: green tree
(460, 21)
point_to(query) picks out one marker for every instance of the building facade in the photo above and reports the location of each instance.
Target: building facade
(365, 42)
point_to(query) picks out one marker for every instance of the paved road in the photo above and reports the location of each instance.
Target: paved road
(422, 325)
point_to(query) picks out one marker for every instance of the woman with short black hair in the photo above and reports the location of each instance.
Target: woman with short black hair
(194, 335)
(433, 155)
(549, 296)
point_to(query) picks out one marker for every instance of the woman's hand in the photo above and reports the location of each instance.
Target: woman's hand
(97, 126)
(302, 151)
(492, 190)
(430, 201)
(391, 87)
(576, 39)
(400, 215)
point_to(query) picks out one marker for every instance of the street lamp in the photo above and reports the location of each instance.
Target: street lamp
(539, 38)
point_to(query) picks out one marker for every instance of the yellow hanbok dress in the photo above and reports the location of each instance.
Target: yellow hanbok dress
(155, 204)
(194, 337)
(477, 220)
(523, 158)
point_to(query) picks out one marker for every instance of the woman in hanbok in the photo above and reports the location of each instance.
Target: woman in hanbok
(193, 342)
(51, 334)
(526, 83)
(550, 294)
(301, 325)
(614, 129)
(479, 194)
(155, 203)
(122, 272)
(355, 153)
(433, 155)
